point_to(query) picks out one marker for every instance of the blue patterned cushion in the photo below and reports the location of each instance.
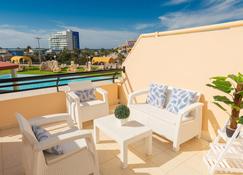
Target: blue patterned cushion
(86, 95)
(179, 99)
(41, 135)
(157, 95)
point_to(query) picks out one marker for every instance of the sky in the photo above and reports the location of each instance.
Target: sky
(106, 23)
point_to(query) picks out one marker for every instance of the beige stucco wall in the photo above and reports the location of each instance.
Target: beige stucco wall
(39, 105)
(187, 59)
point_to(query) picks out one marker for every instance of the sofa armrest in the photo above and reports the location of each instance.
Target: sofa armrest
(134, 94)
(62, 138)
(48, 119)
(104, 94)
(190, 108)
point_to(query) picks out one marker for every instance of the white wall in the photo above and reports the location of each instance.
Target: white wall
(187, 59)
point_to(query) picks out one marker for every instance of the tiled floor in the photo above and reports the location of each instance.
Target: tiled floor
(164, 161)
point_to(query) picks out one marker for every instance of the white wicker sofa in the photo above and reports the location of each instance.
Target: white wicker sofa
(177, 128)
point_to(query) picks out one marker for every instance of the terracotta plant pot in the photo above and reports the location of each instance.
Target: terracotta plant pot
(230, 132)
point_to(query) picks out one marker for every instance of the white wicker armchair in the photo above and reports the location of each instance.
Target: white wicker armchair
(85, 111)
(79, 156)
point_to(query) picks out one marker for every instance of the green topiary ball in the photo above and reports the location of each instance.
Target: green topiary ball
(122, 112)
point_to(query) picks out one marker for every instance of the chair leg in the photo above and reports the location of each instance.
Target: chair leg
(211, 172)
(92, 149)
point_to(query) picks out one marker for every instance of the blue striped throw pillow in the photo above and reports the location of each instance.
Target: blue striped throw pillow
(157, 95)
(179, 99)
(86, 95)
(41, 135)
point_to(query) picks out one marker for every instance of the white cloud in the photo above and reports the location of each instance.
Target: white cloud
(11, 36)
(175, 2)
(211, 12)
(143, 26)
(22, 36)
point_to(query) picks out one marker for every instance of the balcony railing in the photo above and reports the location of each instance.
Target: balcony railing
(18, 84)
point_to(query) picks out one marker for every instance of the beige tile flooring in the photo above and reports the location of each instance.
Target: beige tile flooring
(164, 161)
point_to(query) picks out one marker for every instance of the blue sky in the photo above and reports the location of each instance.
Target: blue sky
(106, 23)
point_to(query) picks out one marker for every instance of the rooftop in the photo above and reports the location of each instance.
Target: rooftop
(6, 66)
(184, 59)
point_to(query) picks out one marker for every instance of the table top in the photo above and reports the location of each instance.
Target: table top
(130, 130)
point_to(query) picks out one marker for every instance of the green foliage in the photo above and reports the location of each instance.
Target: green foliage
(122, 112)
(79, 56)
(223, 99)
(240, 121)
(222, 85)
(220, 106)
(94, 68)
(3, 72)
(240, 93)
(232, 85)
(237, 78)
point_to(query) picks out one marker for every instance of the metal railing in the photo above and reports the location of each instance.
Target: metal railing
(18, 84)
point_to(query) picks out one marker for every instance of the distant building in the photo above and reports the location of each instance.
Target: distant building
(5, 55)
(21, 59)
(66, 39)
(127, 46)
(75, 38)
(130, 43)
(16, 51)
(102, 60)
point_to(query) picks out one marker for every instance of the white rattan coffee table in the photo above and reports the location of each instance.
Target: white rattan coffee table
(131, 132)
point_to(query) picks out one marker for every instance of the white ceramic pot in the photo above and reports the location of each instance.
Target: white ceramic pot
(121, 122)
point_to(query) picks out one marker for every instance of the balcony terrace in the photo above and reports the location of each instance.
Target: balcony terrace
(185, 58)
(163, 161)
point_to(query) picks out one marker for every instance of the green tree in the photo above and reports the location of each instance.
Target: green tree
(75, 55)
(64, 56)
(121, 58)
(232, 87)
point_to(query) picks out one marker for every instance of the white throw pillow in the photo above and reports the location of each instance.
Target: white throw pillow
(41, 134)
(86, 94)
(157, 95)
(179, 99)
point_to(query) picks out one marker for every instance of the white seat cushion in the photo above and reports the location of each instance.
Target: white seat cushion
(161, 114)
(68, 149)
(91, 103)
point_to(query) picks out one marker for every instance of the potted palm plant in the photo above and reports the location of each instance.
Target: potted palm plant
(122, 113)
(232, 87)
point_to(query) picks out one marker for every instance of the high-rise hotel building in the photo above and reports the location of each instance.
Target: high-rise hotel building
(66, 39)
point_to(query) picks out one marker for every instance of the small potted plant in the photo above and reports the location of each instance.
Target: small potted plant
(232, 86)
(122, 113)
